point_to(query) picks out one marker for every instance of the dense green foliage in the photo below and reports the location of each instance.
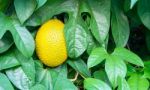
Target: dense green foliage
(108, 45)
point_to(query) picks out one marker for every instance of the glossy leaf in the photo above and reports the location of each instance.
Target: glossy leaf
(144, 12)
(25, 64)
(92, 43)
(128, 56)
(100, 18)
(95, 84)
(43, 76)
(22, 38)
(5, 83)
(96, 57)
(76, 36)
(119, 24)
(38, 87)
(3, 27)
(115, 67)
(8, 60)
(6, 42)
(18, 77)
(122, 84)
(24, 9)
(64, 84)
(50, 8)
(137, 82)
(40, 3)
(80, 66)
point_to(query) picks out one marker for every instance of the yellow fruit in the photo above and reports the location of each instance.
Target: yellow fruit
(50, 43)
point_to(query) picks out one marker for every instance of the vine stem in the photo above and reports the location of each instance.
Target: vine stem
(75, 78)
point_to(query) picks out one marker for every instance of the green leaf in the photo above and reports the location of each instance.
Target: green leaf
(122, 84)
(18, 77)
(115, 67)
(6, 42)
(43, 76)
(144, 12)
(51, 8)
(27, 64)
(92, 43)
(96, 57)
(64, 84)
(95, 84)
(22, 77)
(5, 83)
(24, 9)
(6, 25)
(40, 3)
(119, 24)
(76, 36)
(137, 82)
(133, 2)
(38, 87)
(80, 66)
(22, 38)
(128, 56)
(8, 60)
(101, 75)
(146, 69)
(59, 77)
(4, 5)
(100, 18)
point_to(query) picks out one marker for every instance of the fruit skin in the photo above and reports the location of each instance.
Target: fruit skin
(50, 43)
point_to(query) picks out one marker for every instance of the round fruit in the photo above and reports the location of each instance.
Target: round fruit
(50, 43)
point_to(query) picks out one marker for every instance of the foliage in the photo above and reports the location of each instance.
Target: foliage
(108, 45)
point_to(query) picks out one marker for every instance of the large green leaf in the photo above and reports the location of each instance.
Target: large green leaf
(96, 57)
(51, 78)
(144, 12)
(22, 38)
(51, 8)
(115, 68)
(8, 60)
(95, 84)
(137, 82)
(119, 24)
(80, 66)
(3, 27)
(122, 84)
(5, 83)
(75, 34)
(6, 42)
(59, 77)
(27, 64)
(24, 9)
(18, 77)
(43, 76)
(22, 77)
(128, 56)
(100, 18)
